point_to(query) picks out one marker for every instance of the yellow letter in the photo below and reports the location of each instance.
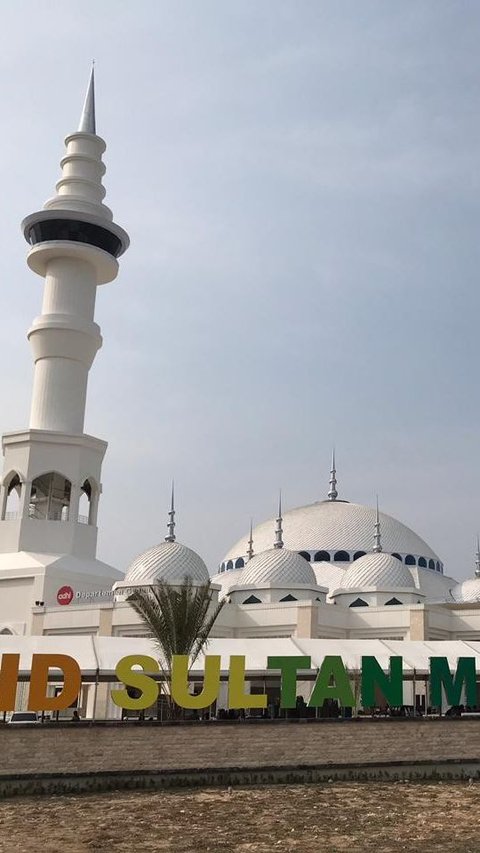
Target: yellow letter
(72, 680)
(148, 687)
(8, 682)
(237, 698)
(211, 682)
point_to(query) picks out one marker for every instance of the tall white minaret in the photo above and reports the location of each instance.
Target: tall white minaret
(53, 469)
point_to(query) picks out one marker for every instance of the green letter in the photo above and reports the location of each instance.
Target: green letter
(139, 680)
(237, 698)
(440, 676)
(288, 667)
(332, 669)
(373, 676)
(211, 682)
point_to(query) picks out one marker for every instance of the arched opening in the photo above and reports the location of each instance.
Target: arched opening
(431, 564)
(358, 554)
(12, 497)
(239, 564)
(85, 503)
(392, 601)
(50, 497)
(422, 562)
(397, 556)
(322, 556)
(289, 598)
(229, 565)
(252, 599)
(6, 631)
(359, 602)
(305, 555)
(410, 560)
(439, 568)
(342, 557)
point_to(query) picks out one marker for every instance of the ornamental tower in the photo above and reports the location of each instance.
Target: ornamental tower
(52, 470)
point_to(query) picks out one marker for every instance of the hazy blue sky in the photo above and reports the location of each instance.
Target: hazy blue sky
(300, 181)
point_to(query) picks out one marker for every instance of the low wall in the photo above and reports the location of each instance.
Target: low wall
(256, 751)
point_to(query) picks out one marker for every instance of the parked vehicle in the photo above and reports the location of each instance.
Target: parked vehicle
(22, 717)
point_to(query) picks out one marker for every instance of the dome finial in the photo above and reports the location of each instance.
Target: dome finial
(477, 559)
(171, 517)
(377, 537)
(332, 492)
(87, 119)
(250, 551)
(279, 529)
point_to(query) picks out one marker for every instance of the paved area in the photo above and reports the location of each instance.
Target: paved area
(326, 818)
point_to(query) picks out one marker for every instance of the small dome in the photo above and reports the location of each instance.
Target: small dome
(170, 562)
(468, 590)
(378, 570)
(278, 567)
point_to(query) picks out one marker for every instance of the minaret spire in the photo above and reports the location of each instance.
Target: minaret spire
(377, 537)
(279, 528)
(332, 492)
(87, 119)
(171, 517)
(250, 551)
(477, 559)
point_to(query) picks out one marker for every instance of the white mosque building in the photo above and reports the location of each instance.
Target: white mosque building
(333, 569)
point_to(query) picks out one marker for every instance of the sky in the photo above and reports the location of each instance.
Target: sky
(300, 182)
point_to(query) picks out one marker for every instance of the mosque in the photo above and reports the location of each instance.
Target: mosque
(333, 569)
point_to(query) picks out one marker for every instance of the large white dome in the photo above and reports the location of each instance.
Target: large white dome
(170, 562)
(333, 526)
(377, 570)
(278, 567)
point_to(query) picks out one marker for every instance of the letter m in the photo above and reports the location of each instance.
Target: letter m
(441, 677)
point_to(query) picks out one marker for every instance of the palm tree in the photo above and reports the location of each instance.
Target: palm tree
(178, 619)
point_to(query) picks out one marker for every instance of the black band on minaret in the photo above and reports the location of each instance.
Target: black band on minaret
(75, 231)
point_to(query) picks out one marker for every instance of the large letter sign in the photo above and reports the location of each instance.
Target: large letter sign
(332, 670)
(138, 680)
(211, 682)
(440, 676)
(374, 677)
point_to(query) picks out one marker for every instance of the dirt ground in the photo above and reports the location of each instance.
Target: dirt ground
(329, 818)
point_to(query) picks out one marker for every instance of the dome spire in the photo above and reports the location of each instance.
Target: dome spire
(279, 525)
(250, 551)
(377, 537)
(171, 517)
(87, 119)
(332, 492)
(477, 559)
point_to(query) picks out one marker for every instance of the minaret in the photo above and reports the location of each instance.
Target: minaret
(377, 538)
(477, 559)
(279, 525)
(250, 551)
(53, 465)
(332, 492)
(171, 518)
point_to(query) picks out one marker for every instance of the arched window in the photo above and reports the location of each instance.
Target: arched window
(6, 631)
(239, 564)
(229, 565)
(50, 497)
(288, 598)
(431, 564)
(12, 503)
(252, 599)
(322, 556)
(392, 601)
(410, 560)
(305, 555)
(439, 568)
(342, 557)
(422, 562)
(397, 556)
(359, 602)
(358, 554)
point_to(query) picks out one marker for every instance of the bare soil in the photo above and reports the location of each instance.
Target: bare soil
(329, 818)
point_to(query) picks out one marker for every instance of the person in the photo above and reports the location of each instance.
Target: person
(75, 716)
